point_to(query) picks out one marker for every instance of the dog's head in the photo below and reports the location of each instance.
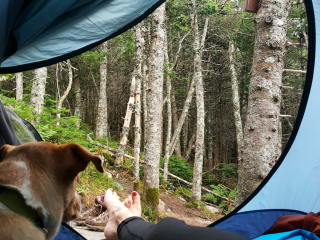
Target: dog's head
(46, 176)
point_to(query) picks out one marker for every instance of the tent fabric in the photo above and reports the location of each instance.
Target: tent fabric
(39, 33)
(252, 224)
(292, 235)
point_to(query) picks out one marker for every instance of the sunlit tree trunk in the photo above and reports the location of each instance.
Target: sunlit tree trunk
(101, 129)
(19, 86)
(139, 38)
(154, 108)
(198, 45)
(65, 94)
(38, 91)
(78, 100)
(169, 116)
(260, 142)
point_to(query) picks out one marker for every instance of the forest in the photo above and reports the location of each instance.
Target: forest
(201, 96)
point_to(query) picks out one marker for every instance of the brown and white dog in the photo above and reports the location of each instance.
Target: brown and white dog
(44, 176)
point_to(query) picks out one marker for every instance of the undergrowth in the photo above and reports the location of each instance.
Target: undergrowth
(92, 184)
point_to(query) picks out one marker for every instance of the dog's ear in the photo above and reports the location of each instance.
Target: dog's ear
(82, 157)
(4, 150)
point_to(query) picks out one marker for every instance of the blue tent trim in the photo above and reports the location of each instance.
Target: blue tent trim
(254, 223)
(292, 235)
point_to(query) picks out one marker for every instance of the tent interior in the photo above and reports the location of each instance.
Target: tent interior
(32, 36)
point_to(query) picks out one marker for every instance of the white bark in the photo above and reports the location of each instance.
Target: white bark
(19, 86)
(78, 104)
(169, 116)
(154, 101)
(38, 92)
(198, 79)
(65, 94)
(235, 98)
(102, 117)
(184, 113)
(126, 124)
(139, 38)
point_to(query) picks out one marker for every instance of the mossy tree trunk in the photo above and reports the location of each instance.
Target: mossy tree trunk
(154, 108)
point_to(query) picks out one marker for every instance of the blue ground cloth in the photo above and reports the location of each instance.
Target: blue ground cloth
(292, 235)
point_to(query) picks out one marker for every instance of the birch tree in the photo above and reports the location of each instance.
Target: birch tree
(126, 124)
(139, 44)
(102, 117)
(235, 98)
(260, 142)
(154, 108)
(19, 86)
(66, 92)
(78, 100)
(198, 44)
(38, 91)
(169, 116)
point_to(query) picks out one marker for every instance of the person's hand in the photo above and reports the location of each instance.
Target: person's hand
(119, 211)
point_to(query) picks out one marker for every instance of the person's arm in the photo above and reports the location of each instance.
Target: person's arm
(135, 228)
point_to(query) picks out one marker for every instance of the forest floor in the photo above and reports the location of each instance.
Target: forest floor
(171, 205)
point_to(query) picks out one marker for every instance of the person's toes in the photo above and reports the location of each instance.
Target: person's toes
(125, 202)
(136, 205)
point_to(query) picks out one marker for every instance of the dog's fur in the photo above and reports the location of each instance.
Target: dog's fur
(46, 176)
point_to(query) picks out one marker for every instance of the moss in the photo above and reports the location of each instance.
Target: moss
(152, 197)
(137, 186)
(105, 153)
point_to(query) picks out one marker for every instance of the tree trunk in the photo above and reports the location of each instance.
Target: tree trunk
(139, 38)
(169, 116)
(235, 99)
(126, 124)
(184, 113)
(191, 145)
(198, 49)
(19, 86)
(102, 116)
(78, 100)
(154, 108)
(177, 147)
(260, 143)
(38, 91)
(144, 101)
(65, 94)
(210, 141)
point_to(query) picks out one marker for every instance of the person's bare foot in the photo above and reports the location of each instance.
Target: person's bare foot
(132, 202)
(117, 213)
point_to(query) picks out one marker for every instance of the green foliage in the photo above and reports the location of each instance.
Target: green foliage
(148, 212)
(66, 132)
(179, 167)
(92, 183)
(208, 197)
(230, 169)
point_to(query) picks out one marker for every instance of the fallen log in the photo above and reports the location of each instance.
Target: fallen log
(114, 152)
